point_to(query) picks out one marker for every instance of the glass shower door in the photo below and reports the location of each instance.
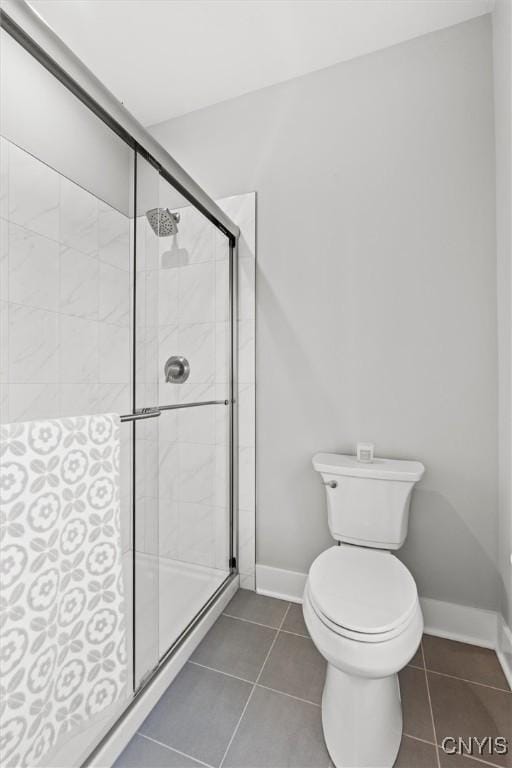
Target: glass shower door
(183, 468)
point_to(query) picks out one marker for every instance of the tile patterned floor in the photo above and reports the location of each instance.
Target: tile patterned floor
(250, 695)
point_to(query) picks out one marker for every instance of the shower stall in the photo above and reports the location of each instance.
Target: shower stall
(118, 295)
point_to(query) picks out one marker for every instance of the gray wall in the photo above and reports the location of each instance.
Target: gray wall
(376, 290)
(502, 58)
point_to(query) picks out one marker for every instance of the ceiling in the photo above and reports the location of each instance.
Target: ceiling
(164, 58)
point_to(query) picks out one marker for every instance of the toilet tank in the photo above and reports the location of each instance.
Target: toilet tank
(368, 504)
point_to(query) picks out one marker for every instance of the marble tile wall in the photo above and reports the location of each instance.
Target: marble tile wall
(65, 307)
(65, 299)
(182, 307)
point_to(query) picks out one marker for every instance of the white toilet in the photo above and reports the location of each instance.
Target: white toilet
(361, 607)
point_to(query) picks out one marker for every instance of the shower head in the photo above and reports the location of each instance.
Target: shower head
(163, 222)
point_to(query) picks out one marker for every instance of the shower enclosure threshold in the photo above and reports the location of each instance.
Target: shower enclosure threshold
(183, 590)
(130, 721)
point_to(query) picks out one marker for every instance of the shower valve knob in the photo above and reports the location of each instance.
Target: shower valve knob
(176, 369)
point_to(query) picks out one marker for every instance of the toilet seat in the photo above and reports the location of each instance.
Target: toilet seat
(362, 594)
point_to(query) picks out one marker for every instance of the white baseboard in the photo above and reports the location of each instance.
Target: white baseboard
(460, 622)
(455, 622)
(504, 649)
(130, 723)
(277, 582)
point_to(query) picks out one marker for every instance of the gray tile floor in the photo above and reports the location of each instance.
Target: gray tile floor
(250, 695)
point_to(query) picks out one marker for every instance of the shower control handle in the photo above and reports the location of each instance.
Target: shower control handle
(331, 483)
(176, 369)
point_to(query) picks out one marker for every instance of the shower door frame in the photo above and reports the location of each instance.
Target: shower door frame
(30, 31)
(155, 411)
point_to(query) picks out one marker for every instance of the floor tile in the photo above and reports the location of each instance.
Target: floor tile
(480, 665)
(416, 754)
(253, 607)
(143, 752)
(235, 647)
(417, 659)
(276, 732)
(458, 761)
(465, 709)
(294, 621)
(198, 713)
(295, 666)
(415, 705)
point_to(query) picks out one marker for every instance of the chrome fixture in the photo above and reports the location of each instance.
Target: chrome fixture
(331, 484)
(193, 405)
(176, 369)
(163, 222)
(145, 413)
(151, 413)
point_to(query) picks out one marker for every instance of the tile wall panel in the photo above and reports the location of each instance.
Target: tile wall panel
(183, 308)
(65, 336)
(65, 300)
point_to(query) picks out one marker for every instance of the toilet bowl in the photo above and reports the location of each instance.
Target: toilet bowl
(361, 608)
(367, 636)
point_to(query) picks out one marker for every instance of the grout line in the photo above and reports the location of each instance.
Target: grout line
(260, 624)
(431, 711)
(295, 634)
(465, 680)
(221, 672)
(418, 738)
(422, 654)
(414, 666)
(237, 726)
(257, 684)
(172, 749)
(251, 682)
(250, 621)
(290, 695)
(273, 643)
(456, 677)
(253, 689)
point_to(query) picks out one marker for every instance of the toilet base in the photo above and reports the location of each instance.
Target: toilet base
(362, 719)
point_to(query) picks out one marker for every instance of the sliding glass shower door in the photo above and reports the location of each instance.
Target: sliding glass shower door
(183, 457)
(116, 305)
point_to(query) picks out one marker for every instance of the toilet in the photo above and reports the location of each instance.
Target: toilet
(361, 607)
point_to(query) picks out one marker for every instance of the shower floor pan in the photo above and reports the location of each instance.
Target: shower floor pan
(171, 594)
(182, 590)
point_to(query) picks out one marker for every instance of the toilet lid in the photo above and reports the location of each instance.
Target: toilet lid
(362, 590)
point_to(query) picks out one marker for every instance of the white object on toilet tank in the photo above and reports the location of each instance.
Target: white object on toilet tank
(365, 452)
(368, 504)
